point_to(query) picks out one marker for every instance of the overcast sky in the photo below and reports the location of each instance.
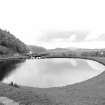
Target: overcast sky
(55, 23)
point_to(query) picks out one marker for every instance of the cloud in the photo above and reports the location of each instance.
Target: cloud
(96, 35)
(77, 39)
(101, 37)
(72, 36)
(98, 38)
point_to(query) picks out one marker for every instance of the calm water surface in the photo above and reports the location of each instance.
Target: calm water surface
(54, 72)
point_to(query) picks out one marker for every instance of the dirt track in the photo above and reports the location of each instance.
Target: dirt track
(7, 101)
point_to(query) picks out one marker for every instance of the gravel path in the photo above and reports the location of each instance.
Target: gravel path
(7, 101)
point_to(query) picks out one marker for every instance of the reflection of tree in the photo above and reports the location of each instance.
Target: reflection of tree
(6, 67)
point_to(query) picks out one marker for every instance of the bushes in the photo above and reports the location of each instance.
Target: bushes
(14, 85)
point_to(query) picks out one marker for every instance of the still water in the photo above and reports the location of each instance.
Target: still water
(54, 72)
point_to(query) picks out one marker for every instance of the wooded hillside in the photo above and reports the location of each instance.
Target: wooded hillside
(9, 44)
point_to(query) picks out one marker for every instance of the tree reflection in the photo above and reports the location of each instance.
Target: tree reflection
(6, 67)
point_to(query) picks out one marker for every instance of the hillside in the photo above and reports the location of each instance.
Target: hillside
(10, 45)
(36, 49)
(75, 52)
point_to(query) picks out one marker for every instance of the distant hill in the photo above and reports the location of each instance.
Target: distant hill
(59, 49)
(72, 52)
(10, 45)
(36, 49)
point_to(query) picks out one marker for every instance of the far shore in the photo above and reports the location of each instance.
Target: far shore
(13, 58)
(94, 58)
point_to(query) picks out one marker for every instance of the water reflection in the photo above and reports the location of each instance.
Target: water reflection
(6, 67)
(54, 72)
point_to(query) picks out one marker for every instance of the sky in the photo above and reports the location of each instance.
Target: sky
(55, 23)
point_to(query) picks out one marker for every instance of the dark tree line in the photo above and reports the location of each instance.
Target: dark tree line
(9, 44)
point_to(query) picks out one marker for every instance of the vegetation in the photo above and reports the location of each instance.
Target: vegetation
(25, 96)
(68, 53)
(10, 45)
(14, 85)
